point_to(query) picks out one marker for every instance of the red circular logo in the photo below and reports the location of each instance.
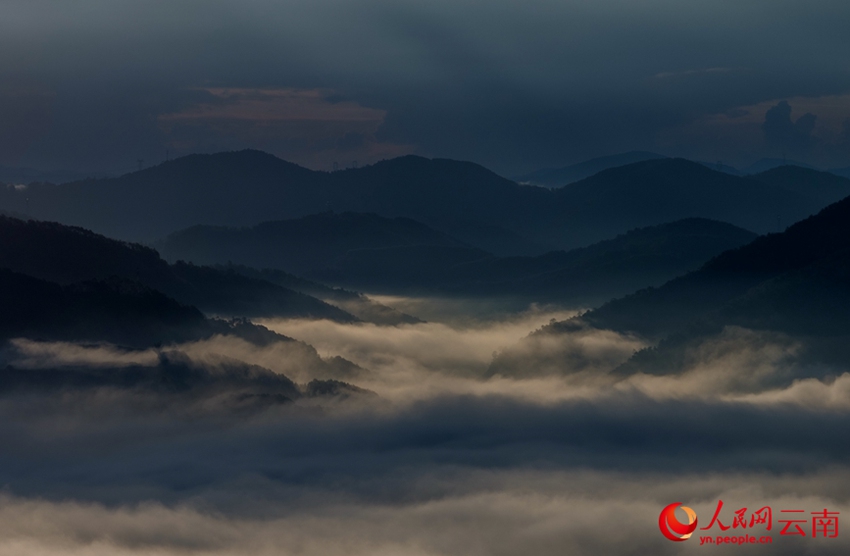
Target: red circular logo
(674, 529)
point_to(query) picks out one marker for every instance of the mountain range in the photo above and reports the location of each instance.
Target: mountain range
(843, 172)
(305, 245)
(66, 284)
(355, 303)
(400, 255)
(68, 255)
(61, 282)
(795, 284)
(558, 177)
(462, 199)
(590, 275)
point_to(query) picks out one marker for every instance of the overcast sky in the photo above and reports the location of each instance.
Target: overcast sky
(96, 85)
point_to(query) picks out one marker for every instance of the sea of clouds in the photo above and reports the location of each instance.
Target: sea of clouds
(444, 458)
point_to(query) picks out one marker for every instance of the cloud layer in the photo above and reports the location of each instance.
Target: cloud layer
(447, 459)
(515, 87)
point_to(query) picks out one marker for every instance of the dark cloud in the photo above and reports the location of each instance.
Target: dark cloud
(511, 86)
(787, 136)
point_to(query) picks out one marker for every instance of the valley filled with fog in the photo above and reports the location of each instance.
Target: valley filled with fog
(406, 278)
(420, 379)
(433, 453)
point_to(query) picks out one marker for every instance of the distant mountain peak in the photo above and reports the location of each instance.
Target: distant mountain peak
(796, 170)
(558, 177)
(226, 161)
(765, 164)
(668, 168)
(412, 161)
(468, 201)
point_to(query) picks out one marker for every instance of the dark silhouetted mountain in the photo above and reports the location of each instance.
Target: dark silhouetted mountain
(14, 214)
(843, 172)
(372, 252)
(101, 290)
(659, 191)
(476, 204)
(113, 310)
(766, 164)
(558, 177)
(357, 304)
(334, 388)
(342, 247)
(589, 275)
(814, 299)
(118, 311)
(173, 375)
(66, 255)
(494, 239)
(463, 199)
(232, 293)
(795, 285)
(720, 167)
(177, 380)
(810, 305)
(129, 314)
(404, 269)
(814, 241)
(235, 188)
(825, 187)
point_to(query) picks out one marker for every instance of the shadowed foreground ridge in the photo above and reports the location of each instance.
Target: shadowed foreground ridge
(65, 255)
(792, 287)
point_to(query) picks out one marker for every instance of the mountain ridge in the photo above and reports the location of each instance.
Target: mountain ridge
(67, 254)
(464, 199)
(794, 285)
(565, 175)
(334, 248)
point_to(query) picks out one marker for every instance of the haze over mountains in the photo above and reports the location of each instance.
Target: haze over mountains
(421, 225)
(399, 243)
(17, 175)
(68, 255)
(843, 172)
(803, 251)
(271, 283)
(590, 275)
(369, 252)
(794, 284)
(735, 338)
(254, 268)
(558, 177)
(306, 244)
(461, 199)
(75, 291)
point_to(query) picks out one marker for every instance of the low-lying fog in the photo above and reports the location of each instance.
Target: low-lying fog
(448, 458)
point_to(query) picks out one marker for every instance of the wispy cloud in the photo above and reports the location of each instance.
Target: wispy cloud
(310, 126)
